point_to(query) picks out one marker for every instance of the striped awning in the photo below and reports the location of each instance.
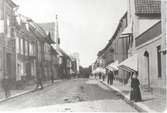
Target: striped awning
(99, 70)
(113, 66)
(130, 64)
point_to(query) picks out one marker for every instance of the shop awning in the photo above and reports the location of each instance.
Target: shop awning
(129, 64)
(113, 66)
(99, 70)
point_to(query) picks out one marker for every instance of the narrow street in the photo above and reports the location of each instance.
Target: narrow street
(70, 95)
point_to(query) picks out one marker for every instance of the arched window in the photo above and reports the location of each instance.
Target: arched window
(146, 54)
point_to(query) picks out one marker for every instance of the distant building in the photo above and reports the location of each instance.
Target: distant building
(76, 56)
(50, 31)
(116, 50)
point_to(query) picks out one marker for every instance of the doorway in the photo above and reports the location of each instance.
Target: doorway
(159, 61)
(146, 55)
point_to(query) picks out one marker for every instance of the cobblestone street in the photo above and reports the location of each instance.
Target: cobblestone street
(70, 95)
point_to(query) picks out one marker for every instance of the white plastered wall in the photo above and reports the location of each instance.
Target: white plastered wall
(151, 48)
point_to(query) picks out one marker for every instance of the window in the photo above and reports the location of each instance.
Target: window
(31, 49)
(8, 26)
(17, 45)
(159, 61)
(21, 45)
(45, 48)
(26, 47)
(1, 59)
(18, 77)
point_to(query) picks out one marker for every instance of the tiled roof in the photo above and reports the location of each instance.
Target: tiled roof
(148, 6)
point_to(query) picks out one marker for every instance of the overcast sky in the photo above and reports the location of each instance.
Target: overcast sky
(85, 26)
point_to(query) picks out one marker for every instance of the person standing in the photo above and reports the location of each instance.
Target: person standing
(100, 75)
(112, 77)
(135, 94)
(103, 76)
(95, 75)
(52, 79)
(108, 78)
(5, 85)
(39, 81)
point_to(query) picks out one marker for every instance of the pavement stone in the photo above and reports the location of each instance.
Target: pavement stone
(152, 103)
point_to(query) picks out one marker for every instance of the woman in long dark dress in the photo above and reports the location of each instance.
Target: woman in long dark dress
(135, 90)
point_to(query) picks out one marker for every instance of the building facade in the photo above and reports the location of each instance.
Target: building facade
(25, 51)
(144, 20)
(77, 60)
(164, 35)
(55, 63)
(50, 31)
(149, 57)
(117, 49)
(7, 40)
(43, 56)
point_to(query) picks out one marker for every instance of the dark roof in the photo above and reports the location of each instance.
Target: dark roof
(12, 3)
(49, 40)
(114, 35)
(64, 53)
(53, 51)
(49, 27)
(147, 7)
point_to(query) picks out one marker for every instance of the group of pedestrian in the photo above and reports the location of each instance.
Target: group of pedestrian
(110, 75)
(135, 94)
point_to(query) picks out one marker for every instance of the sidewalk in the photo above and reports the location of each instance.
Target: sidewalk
(29, 88)
(155, 102)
